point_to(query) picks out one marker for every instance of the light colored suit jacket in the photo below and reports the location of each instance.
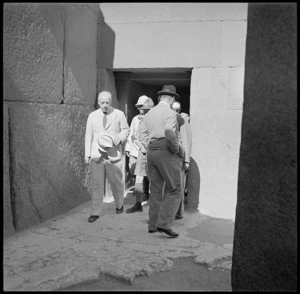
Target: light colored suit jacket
(116, 126)
(158, 120)
(186, 136)
(131, 145)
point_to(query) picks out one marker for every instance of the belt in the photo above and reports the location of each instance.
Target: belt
(157, 139)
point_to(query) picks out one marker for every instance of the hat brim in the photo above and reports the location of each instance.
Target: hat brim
(105, 148)
(168, 93)
(102, 150)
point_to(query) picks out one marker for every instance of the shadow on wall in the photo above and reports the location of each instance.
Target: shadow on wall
(55, 47)
(105, 56)
(193, 184)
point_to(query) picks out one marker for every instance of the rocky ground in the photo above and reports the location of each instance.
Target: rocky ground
(117, 253)
(185, 275)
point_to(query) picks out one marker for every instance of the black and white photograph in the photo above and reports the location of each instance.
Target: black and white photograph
(150, 146)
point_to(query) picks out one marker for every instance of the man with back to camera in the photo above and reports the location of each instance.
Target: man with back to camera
(106, 130)
(164, 162)
(186, 141)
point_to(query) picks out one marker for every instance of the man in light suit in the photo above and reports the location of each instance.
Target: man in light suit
(106, 130)
(164, 162)
(186, 140)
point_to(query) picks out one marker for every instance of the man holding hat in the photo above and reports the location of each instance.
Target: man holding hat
(106, 130)
(164, 162)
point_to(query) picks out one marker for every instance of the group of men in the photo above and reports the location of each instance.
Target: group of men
(158, 145)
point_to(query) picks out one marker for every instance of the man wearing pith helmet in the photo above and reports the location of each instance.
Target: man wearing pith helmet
(164, 162)
(137, 153)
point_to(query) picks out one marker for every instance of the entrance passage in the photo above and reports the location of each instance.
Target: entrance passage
(132, 83)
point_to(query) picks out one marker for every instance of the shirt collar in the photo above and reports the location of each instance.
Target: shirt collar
(164, 103)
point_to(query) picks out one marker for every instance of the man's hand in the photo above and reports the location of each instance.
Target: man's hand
(87, 159)
(186, 166)
(117, 140)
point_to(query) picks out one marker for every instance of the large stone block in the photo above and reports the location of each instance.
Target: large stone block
(265, 237)
(233, 43)
(48, 172)
(7, 213)
(216, 132)
(80, 84)
(181, 44)
(33, 52)
(170, 12)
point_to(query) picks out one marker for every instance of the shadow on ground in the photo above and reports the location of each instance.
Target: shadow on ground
(184, 275)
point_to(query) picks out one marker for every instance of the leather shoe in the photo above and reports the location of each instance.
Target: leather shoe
(92, 218)
(178, 217)
(152, 231)
(136, 208)
(119, 210)
(169, 232)
(146, 196)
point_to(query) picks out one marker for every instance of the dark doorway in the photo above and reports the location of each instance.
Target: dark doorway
(132, 83)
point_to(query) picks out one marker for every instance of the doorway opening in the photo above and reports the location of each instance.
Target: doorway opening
(132, 83)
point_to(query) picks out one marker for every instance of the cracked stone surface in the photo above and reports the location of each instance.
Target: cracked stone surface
(68, 250)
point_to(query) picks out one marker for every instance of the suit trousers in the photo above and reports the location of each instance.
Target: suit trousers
(163, 168)
(113, 171)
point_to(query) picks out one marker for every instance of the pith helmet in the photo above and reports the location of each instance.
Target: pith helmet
(144, 102)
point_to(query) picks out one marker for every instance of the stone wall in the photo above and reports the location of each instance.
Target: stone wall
(209, 39)
(265, 236)
(164, 35)
(50, 87)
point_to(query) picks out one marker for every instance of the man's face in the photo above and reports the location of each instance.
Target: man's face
(141, 111)
(105, 102)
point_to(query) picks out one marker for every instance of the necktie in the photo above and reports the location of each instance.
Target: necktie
(104, 120)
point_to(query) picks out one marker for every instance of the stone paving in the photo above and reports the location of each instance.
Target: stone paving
(67, 250)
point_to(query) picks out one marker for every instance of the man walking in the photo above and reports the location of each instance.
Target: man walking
(106, 130)
(132, 149)
(141, 160)
(164, 162)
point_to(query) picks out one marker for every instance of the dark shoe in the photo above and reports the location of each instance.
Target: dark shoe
(178, 217)
(119, 210)
(93, 218)
(168, 232)
(146, 197)
(152, 231)
(136, 208)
